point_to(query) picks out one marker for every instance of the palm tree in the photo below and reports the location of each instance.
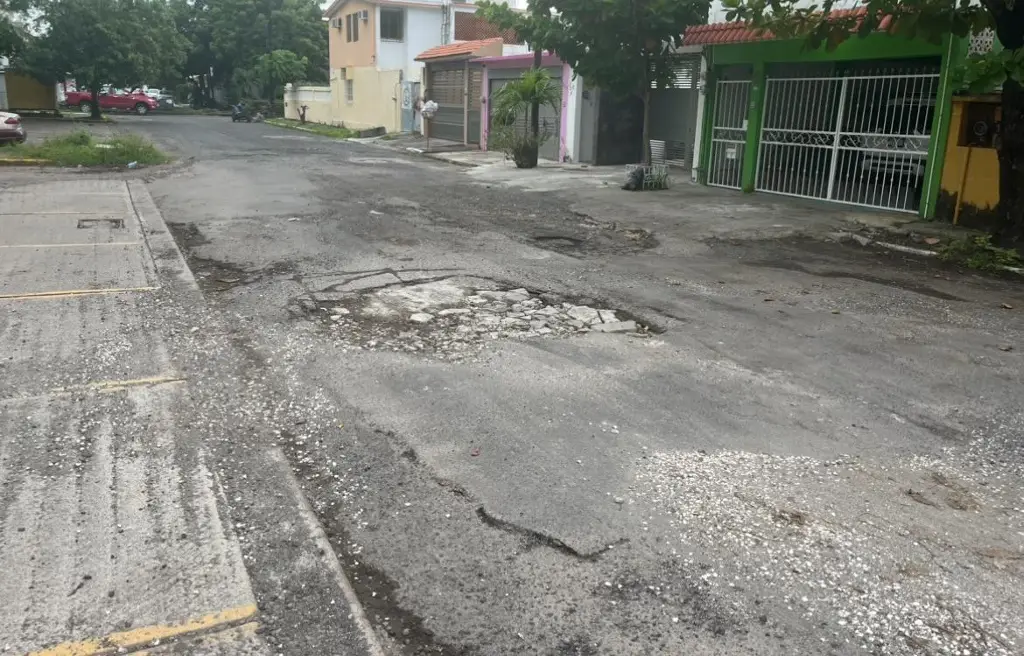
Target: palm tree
(534, 88)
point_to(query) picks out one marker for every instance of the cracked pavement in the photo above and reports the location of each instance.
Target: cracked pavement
(814, 449)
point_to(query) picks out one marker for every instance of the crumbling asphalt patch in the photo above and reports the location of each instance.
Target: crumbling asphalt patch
(453, 317)
(214, 275)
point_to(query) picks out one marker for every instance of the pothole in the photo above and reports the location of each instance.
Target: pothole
(453, 319)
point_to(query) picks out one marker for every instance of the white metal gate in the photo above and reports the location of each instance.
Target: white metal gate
(859, 139)
(728, 133)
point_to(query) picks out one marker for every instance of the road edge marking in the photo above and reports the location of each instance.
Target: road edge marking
(90, 245)
(74, 292)
(138, 638)
(323, 543)
(117, 385)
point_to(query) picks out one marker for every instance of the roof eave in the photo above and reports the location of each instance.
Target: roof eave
(333, 9)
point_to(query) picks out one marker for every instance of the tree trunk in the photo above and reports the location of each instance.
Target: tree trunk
(1011, 166)
(535, 110)
(95, 113)
(647, 125)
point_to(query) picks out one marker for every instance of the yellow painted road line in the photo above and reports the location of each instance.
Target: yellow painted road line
(116, 385)
(74, 292)
(216, 641)
(106, 243)
(134, 639)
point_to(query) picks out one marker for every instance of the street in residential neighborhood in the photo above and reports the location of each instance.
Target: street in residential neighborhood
(291, 394)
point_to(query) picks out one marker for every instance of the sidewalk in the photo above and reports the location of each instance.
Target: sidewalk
(111, 534)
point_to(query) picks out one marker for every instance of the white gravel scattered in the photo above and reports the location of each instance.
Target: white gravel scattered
(912, 556)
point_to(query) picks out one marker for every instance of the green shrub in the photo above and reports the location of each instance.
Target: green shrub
(78, 138)
(979, 253)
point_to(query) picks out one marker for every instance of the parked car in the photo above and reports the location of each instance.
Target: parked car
(139, 103)
(11, 128)
(162, 96)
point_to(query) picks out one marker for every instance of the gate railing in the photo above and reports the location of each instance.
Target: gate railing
(861, 140)
(728, 133)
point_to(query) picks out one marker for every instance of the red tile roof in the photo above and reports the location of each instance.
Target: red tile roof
(457, 48)
(721, 33)
(470, 27)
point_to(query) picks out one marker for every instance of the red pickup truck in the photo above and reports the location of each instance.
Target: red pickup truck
(139, 103)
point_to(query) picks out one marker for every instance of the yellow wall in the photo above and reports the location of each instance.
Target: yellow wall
(26, 93)
(974, 177)
(376, 98)
(344, 54)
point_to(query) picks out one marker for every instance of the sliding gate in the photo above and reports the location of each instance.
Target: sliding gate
(858, 139)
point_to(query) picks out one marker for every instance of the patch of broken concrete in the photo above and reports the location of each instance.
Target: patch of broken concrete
(453, 318)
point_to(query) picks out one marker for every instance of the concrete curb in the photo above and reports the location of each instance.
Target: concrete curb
(910, 250)
(171, 262)
(330, 556)
(24, 161)
(302, 129)
(440, 157)
(904, 249)
(160, 242)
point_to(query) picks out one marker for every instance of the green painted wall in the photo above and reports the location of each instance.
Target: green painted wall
(955, 51)
(876, 46)
(708, 119)
(755, 112)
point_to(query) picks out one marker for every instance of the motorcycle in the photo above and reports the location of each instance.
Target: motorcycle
(240, 113)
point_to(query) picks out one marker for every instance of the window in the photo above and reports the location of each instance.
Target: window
(352, 27)
(349, 92)
(392, 24)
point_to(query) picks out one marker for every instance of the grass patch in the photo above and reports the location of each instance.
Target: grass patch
(82, 149)
(979, 253)
(316, 128)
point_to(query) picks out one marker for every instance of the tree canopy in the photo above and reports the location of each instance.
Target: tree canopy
(624, 47)
(12, 29)
(225, 49)
(621, 46)
(96, 42)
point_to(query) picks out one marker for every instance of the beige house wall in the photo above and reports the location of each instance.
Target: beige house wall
(376, 99)
(317, 99)
(345, 54)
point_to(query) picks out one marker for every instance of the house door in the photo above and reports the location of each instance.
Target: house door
(446, 86)
(410, 92)
(860, 138)
(673, 116)
(728, 133)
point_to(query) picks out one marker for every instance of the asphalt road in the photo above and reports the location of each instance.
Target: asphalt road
(814, 448)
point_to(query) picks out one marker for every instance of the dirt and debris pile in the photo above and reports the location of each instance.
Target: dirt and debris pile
(453, 321)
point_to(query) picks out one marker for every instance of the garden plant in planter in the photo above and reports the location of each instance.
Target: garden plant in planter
(510, 111)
